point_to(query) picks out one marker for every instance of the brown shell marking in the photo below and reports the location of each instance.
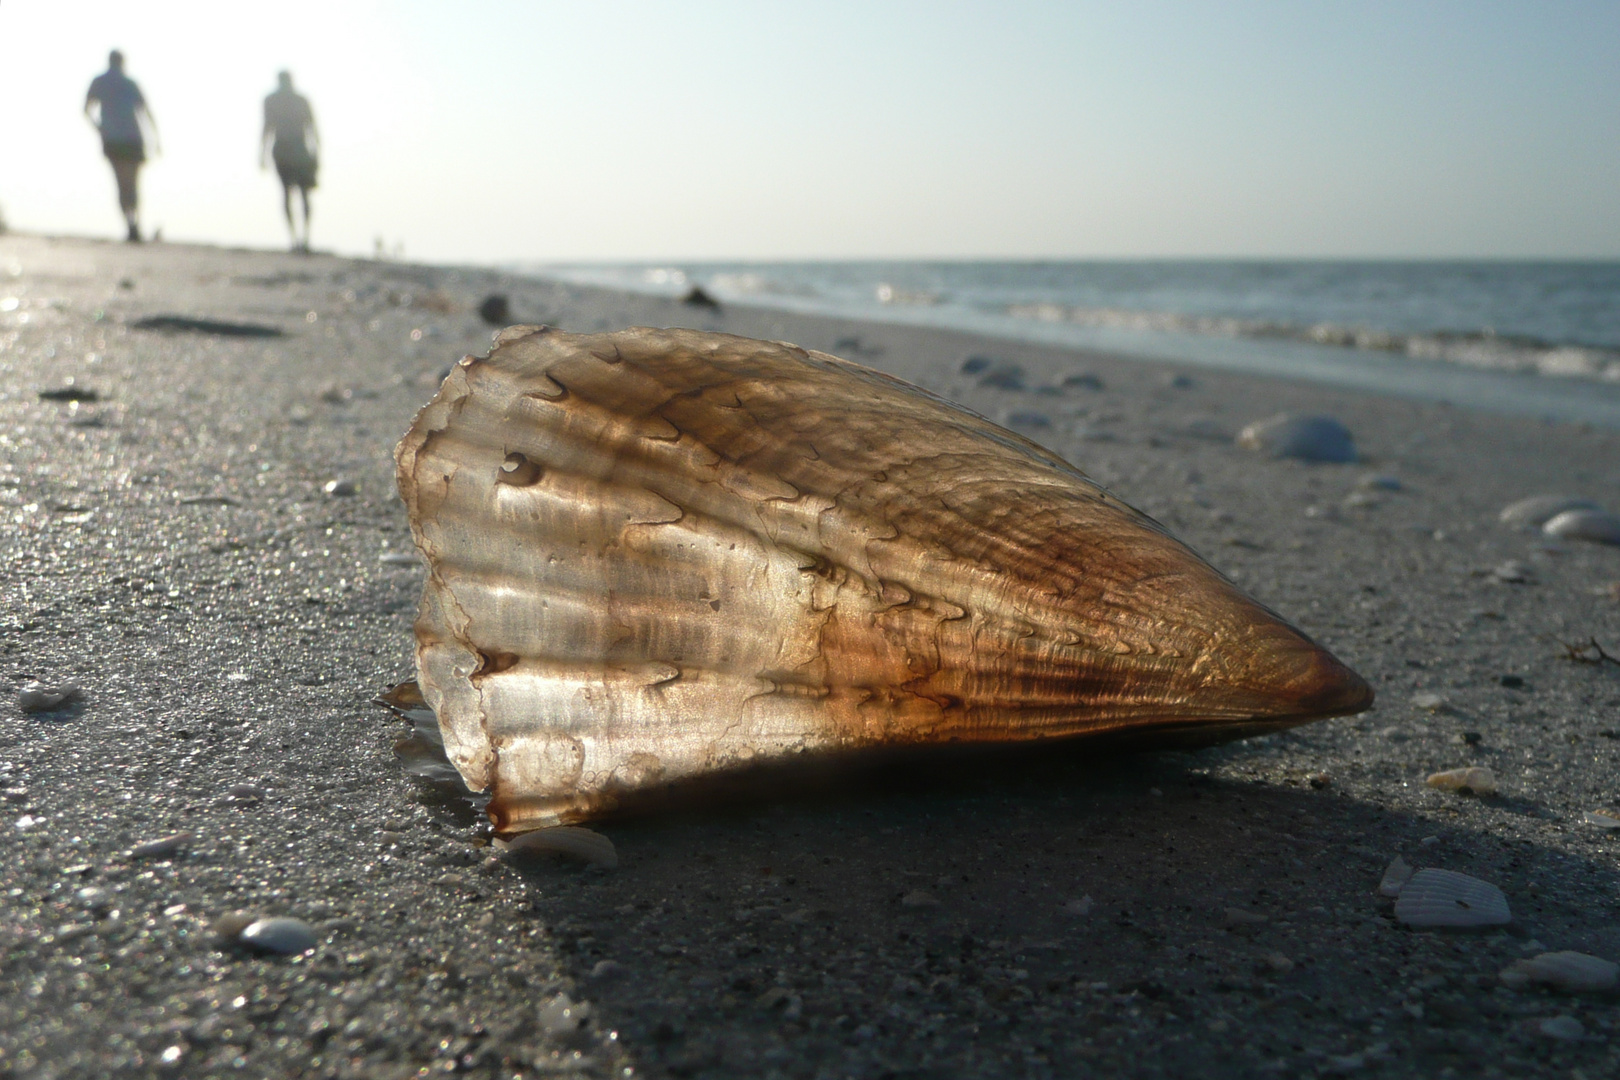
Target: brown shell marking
(660, 555)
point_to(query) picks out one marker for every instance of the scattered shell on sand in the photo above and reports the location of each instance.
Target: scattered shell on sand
(1081, 907)
(280, 935)
(1475, 778)
(1537, 510)
(1603, 818)
(1514, 572)
(1396, 875)
(339, 488)
(37, 697)
(1571, 972)
(1591, 525)
(1449, 900)
(1308, 438)
(732, 555)
(1431, 701)
(228, 927)
(562, 1015)
(1563, 1028)
(571, 840)
(162, 847)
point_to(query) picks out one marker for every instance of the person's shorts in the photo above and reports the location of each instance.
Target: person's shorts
(295, 167)
(124, 151)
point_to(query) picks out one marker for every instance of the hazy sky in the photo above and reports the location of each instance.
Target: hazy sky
(520, 129)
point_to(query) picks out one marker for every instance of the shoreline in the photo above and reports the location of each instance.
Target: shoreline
(1591, 397)
(208, 542)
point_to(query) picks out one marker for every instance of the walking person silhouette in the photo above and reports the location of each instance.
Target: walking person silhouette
(291, 140)
(115, 105)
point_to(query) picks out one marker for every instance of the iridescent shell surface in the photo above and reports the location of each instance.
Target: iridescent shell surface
(658, 557)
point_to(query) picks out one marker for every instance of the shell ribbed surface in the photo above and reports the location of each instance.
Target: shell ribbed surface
(657, 555)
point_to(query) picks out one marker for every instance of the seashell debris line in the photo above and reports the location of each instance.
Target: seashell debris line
(659, 556)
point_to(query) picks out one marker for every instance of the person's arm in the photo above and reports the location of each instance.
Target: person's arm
(151, 122)
(314, 136)
(264, 139)
(92, 115)
(142, 109)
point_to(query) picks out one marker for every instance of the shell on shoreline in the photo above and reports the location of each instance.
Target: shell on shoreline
(1571, 972)
(1308, 438)
(1445, 899)
(1474, 779)
(657, 558)
(1537, 510)
(1396, 875)
(1594, 526)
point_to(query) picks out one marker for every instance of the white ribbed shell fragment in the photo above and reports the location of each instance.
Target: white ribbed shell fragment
(582, 844)
(1476, 778)
(1396, 875)
(1571, 972)
(1445, 899)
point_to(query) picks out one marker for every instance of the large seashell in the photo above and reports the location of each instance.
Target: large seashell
(1571, 972)
(1448, 900)
(659, 557)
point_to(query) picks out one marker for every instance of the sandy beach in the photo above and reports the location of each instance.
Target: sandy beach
(201, 532)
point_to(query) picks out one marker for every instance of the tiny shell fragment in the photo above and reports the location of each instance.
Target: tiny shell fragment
(1571, 972)
(562, 1015)
(1475, 778)
(160, 848)
(1537, 510)
(37, 697)
(1445, 899)
(280, 935)
(583, 844)
(1396, 875)
(1308, 438)
(1603, 818)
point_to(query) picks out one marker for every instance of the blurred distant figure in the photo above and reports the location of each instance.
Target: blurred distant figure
(115, 106)
(291, 140)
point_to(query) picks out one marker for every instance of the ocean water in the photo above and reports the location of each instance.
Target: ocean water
(1530, 338)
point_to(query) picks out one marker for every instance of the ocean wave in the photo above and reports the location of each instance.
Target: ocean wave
(1482, 349)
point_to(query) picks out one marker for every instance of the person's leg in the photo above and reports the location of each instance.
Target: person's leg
(125, 172)
(286, 208)
(303, 194)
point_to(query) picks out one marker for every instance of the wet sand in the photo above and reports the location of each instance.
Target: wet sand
(169, 546)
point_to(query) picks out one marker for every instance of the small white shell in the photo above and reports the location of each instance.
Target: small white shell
(1445, 898)
(1571, 972)
(1396, 875)
(562, 1015)
(1603, 818)
(1309, 438)
(1593, 525)
(1476, 778)
(582, 844)
(37, 697)
(1539, 509)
